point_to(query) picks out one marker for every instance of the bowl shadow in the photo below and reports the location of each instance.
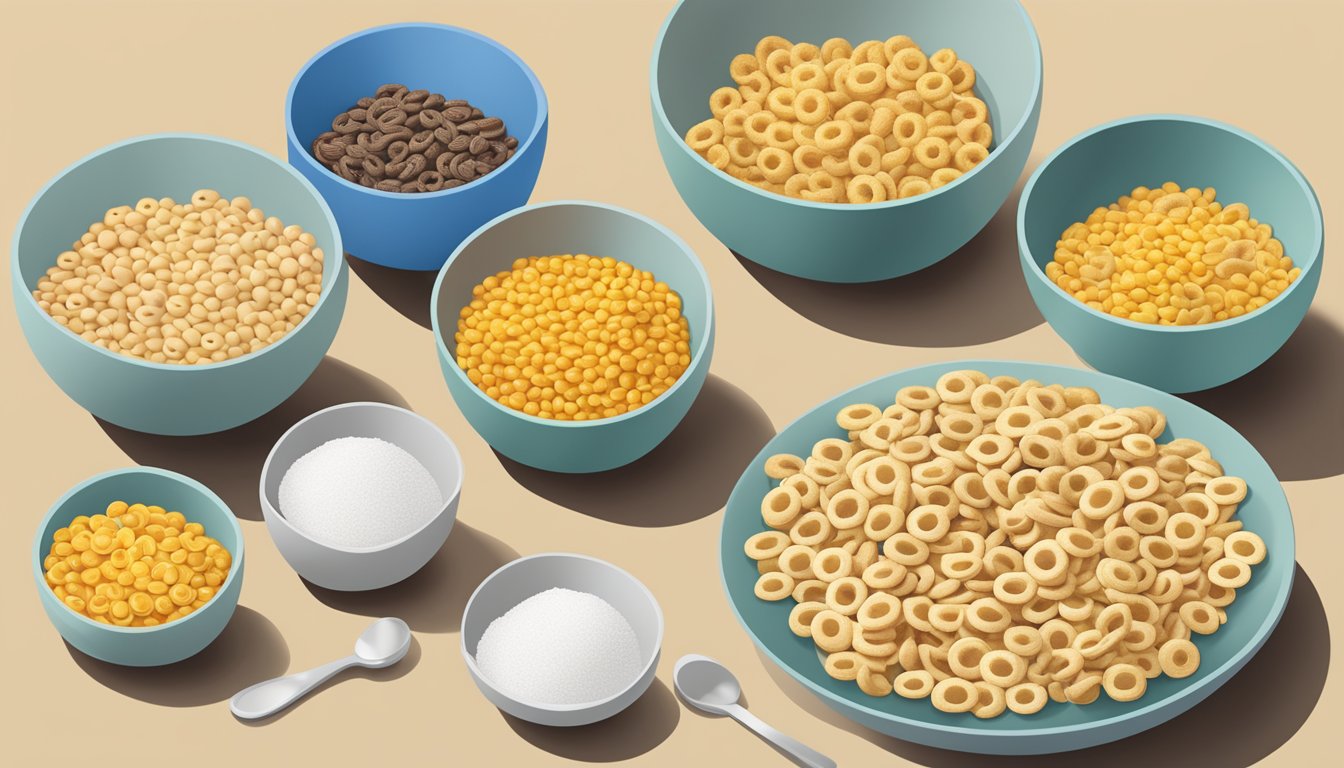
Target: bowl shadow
(1300, 443)
(1276, 691)
(405, 290)
(624, 736)
(229, 462)
(249, 650)
(687, 477)
(431, 599)
(384, 674)
(974, 296)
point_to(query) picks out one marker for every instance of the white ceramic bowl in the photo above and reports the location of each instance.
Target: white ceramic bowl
(516, 581)
(354, 569)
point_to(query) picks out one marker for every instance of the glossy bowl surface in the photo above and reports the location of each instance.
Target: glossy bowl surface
(417, 231)
(156, 397)
(356, 569)
(844, 243)
(143, 646)
(1098, 166)
(1058, 727)
(516, 581)
(574, 227)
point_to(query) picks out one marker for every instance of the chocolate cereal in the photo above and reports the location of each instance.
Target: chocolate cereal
(399, 140)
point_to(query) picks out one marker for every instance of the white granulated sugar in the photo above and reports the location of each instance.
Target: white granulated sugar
(358, 492)
(560, 647)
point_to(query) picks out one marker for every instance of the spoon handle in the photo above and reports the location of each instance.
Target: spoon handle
(270, 696)
(800, 752)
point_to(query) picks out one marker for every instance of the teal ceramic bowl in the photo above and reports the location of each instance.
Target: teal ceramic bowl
(844, 243)
(155, 397)
(1057, 727)
(573, 227)
(143, 646)
(1095, 168)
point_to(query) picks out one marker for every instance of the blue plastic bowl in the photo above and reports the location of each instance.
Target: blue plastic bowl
(417, 230)
(572, 227)
(156, 397)
(1057, 727)
(143, 646)
(843, 243)
(1097, 167)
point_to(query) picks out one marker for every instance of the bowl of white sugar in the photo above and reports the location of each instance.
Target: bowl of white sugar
(360, 495)
(562, 639)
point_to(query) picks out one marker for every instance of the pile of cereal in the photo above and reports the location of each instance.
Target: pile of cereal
(1172, 257)
(135, 565)
(573, 337)
(399, 140)
(836, 124)
(186, 283)
(995, 544)
(560, 647)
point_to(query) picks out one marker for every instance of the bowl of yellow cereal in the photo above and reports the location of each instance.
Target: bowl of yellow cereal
(1172, 250)
(139, 567)
(178, 284)
(573, 335)
(846, 142)
(1008, 558)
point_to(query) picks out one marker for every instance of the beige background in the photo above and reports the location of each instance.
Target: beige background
(80, 75)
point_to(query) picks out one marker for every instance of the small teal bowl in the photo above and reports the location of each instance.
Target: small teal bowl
(1095, 168)
(143, 646)
(843, 243)
(1057, 727)
(574, 227)
(156, 397)
(417, 231)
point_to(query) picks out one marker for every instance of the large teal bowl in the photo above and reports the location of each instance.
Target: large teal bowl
(143, 646)
(573, 227)
(155, 397)
(1058, 727)
(1095, 168)
(844, 243)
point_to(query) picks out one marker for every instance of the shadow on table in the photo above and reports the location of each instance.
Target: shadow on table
(644, 725)
(1290, 407)
(249, 650)
(976, 295)
(229, 462)
(687, 477)
(407, 291)
(400, 669)
(1241, 723)
(431, 599)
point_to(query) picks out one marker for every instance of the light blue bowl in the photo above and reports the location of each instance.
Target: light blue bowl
(143, 646)
(1058, 727)
(844, 243)
(417, 230)
(572, 227)
(156, 397)
(1098, 166)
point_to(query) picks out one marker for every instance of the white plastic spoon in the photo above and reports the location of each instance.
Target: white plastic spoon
(383, 644)
(708, 686)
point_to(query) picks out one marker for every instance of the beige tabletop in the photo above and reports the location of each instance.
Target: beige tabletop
(81, 75)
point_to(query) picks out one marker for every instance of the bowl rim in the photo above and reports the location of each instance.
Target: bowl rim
(1036, 273)
(701, 348)
(39, 541)
(538, 94)
(16, 272)
(647, 669)
(662, 121)
(449, 499)
(1200, 689)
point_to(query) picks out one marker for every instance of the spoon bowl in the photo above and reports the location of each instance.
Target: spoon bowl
(383, 643)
